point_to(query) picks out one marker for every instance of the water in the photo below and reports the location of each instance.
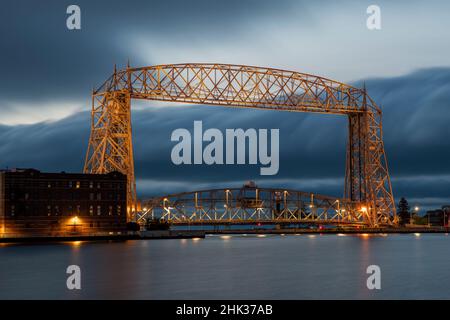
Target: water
(232, 267)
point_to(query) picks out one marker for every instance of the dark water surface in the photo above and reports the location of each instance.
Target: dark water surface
(232, 267)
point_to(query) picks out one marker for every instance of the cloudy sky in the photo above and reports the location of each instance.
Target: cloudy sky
(48, 72)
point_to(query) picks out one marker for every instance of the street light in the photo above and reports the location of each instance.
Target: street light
(74, 222)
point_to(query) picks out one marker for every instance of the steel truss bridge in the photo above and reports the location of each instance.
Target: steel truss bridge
(367, 181)
(250, 205)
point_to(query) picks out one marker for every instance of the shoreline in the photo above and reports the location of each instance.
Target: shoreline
(196, 234)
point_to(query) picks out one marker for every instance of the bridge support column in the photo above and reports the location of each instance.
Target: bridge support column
(110, 143)
(367, 180)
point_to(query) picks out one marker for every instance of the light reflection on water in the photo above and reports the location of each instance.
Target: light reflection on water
(232, 267)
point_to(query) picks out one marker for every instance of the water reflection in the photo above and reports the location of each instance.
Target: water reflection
(329, 266)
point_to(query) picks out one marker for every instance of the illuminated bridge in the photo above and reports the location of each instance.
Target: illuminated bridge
(367, 181)
(250, 205)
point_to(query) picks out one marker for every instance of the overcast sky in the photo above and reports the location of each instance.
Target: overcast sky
(48, 72)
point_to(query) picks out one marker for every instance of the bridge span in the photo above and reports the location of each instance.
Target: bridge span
(367, 181)
(252, 205)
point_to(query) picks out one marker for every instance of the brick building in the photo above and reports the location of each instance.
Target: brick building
(34, 202)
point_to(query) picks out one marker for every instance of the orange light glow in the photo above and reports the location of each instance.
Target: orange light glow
(364, 235)
(75, 220)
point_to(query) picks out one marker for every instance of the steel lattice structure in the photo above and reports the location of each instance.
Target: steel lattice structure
(367, 179)
(249, 205)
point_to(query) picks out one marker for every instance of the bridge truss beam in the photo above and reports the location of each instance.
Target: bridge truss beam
(252, 205)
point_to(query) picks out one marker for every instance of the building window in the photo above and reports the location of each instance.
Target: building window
(91, 196)
(49, 210)
(49, 185)
(99, 196)
(77, 185)
(119, 210)
(91, 210)
(110, 210)
(27, 196)
(91, 184)
(13, 210)
(78, 209)
(56, 210)
(99, 210)
(98, 185)
(70, 184)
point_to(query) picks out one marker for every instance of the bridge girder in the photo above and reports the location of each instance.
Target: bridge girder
(252, 205)
(110, 145)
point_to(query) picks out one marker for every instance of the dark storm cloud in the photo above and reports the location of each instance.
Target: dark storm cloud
(416, 119)
(312, 151)
(41, 58)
